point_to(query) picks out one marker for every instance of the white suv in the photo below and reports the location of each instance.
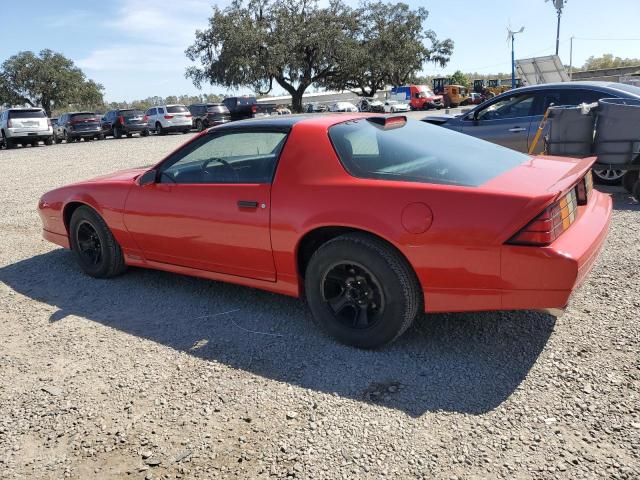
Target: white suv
(24, 126)
(169, 118)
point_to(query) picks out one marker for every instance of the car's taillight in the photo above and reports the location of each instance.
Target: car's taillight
(188, 115)
(145, 118)
(9, 124)
(121, 119)
(550, 224)
(254, 108)
(168, 117)
(48, 122)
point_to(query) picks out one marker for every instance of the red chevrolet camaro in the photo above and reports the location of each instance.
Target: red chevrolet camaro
(372, 218)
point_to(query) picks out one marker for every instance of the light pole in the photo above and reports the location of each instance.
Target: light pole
(559, 5)
(513, 59)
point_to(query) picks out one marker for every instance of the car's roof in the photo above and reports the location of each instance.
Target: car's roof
(288, 121)
(577, 84)
(172, 105)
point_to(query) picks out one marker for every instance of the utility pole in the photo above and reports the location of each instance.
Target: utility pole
(513, 59)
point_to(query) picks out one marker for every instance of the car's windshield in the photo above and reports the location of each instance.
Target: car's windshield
(626, 88)
(419, 152)
(217, 109)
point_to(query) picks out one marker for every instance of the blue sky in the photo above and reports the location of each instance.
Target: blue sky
(135, 48)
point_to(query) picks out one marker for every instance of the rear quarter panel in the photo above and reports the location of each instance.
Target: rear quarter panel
(459, 252)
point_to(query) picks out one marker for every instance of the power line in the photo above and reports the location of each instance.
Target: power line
(609, 39)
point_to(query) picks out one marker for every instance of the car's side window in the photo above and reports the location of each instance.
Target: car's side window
(233, 157)
(512, 106)
(160, 110)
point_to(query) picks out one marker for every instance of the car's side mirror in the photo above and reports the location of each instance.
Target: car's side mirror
(147, 178)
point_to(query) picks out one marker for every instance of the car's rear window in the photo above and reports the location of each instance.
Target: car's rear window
(177, 109)
(131, 113)
(419, 152)
(26, 114)
(83, 116)
(218, 109)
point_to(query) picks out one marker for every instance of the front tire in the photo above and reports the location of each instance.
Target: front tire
(199, 125)
(93, 245)
(361, 291)
(116, 132)
(48, 141)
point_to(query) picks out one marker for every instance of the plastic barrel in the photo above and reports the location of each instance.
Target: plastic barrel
(617, 138)
(570, 132)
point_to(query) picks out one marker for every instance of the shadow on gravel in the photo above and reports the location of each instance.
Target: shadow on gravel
(466, 363)
(622, 200)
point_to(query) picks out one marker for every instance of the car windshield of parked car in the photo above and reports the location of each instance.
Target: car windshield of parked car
(26, 114)
(419, 152)
(512, 106)
(238, 157)
(626, 88)
(177, 109)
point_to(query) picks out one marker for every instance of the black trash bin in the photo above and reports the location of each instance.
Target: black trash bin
(617, 139)
(571, 131)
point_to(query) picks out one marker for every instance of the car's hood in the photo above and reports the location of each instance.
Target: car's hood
(119, 176)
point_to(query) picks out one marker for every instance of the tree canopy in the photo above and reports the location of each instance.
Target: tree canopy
(298, 43)
(389, 48)
(47, 79)
(609, 61)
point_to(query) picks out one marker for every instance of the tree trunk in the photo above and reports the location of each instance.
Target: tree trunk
(296, 101)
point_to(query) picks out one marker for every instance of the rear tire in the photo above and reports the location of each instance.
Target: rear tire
(159, 129)
(199, 125)
(48, 141)
(145, 133)
(93, 245)
(361, 291)
(116, 132)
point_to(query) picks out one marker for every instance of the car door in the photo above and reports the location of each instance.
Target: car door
(558, 97)
(210, 206)
(505, 121)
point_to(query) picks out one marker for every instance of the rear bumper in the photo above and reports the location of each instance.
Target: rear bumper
(135, 128)
(177, 128)
(84, 133)
(35, 134)
(543, 278)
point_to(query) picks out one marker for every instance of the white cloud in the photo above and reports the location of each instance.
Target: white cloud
(151, 38)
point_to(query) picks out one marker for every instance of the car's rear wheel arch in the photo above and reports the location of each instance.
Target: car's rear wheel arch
(314, 239)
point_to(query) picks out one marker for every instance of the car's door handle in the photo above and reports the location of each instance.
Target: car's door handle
(247, 204)
(517, 129)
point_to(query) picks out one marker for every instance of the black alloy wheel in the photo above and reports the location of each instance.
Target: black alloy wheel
(89, 245)
(353, 295)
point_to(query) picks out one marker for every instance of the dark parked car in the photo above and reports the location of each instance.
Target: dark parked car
(128, 121)
(512, 118)
(247, 107)
(205, 115)
(74, 126)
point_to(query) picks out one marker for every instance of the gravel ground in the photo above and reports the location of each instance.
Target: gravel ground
(153, 375)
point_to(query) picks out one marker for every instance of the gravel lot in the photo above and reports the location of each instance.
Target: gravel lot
(153, 375)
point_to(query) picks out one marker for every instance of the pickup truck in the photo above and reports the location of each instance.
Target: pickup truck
(247, 107)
